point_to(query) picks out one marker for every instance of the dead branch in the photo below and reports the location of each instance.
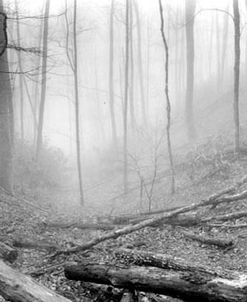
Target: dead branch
(149, 222)
(221, 243)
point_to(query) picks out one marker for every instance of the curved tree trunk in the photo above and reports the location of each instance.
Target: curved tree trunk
(168, 104)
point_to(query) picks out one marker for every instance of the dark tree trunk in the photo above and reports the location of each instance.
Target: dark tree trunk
(21, 75)
(236, 73)
(6, 115)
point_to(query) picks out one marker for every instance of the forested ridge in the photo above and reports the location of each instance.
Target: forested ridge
(123, 150)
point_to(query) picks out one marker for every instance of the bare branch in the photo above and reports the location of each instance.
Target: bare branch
(32, 50)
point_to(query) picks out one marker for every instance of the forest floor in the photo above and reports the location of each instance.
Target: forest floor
(196, 180)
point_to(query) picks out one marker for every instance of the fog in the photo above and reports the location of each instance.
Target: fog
(201, 99)
(93, 42)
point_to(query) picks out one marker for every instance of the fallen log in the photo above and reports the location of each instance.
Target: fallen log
(8, 253)
(188, 286)
(40, 245)
(16, 287)
(80, 225)
(143, 258)
(149, 222)
(221, 243)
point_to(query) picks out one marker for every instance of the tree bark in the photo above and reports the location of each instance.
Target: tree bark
(16, 287)
(188, 286)
(236, 73)
(6, 113)
(43, 81)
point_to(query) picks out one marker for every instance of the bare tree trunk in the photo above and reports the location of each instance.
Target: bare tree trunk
(189, 112)
(6, 116)
(217, 25)
(168, 104)
(140, 62)
(98, 100)
(126, 88)
(148, 69)
(111, 74)
(77, 107)
(21, 75)
(131, 84)
(43, 82)
(210, 52)
(236, 73)
(224, 46)
(36, 87)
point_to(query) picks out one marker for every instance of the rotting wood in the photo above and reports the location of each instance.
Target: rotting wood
(188, 286)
